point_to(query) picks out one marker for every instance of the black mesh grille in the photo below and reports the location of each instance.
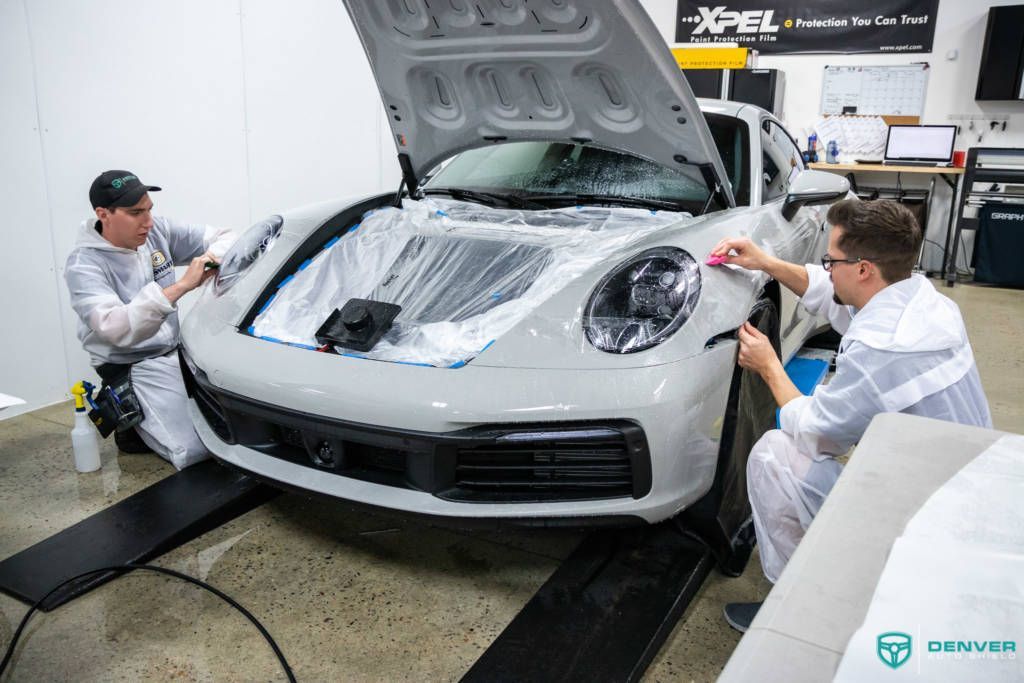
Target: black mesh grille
(546, 469)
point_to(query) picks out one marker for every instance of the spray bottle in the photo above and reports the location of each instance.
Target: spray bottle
(84, 441)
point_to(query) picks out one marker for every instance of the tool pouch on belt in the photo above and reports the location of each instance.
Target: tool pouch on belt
(117, 406)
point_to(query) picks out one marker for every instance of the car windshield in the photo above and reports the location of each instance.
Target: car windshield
(564, 173)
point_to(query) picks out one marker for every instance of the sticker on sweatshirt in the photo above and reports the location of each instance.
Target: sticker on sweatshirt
(161, 266)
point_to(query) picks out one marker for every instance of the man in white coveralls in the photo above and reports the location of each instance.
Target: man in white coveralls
(904, 349)
(123, 287)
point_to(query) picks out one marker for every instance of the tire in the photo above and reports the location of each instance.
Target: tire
(722, 518)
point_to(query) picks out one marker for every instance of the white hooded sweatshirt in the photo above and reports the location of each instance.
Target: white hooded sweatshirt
(905, 351)
(123, 314)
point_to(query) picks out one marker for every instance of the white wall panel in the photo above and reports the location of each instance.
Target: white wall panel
(235, 107)
(32, 364)
(313, 111)
(153, 87)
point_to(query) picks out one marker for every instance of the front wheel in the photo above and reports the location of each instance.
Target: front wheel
(722, 517)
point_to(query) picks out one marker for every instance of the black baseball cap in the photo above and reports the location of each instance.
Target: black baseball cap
(117, 188)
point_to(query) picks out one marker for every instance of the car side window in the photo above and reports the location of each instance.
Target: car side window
(732, 138)
(780, 161)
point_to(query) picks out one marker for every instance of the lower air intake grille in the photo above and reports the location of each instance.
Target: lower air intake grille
(547, 469)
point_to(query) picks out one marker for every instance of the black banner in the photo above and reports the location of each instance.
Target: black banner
(818, 26)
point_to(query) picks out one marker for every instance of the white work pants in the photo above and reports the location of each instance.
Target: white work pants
(786, 488)
(166, 426)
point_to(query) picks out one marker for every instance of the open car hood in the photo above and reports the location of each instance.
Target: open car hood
(456, 74)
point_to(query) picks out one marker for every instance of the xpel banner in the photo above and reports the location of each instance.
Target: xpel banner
(822, 26)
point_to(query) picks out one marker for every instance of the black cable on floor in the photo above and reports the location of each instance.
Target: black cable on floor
(160, 570)
(965, 271)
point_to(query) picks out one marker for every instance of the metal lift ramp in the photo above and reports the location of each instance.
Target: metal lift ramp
(607, 610)
(157, 519)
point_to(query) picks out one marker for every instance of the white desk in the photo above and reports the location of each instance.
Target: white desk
(822, 597)
(950, 174)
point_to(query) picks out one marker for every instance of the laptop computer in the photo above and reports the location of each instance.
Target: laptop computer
(919, 145)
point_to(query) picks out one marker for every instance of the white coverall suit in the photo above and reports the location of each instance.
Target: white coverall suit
(124, 318)
(906, 351)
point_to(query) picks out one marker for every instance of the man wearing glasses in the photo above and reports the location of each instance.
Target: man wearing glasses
(904, 349)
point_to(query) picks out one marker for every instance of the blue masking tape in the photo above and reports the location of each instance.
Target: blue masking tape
(285, 281)
(304, 265)
(331, 243)
(267, 305)
(353, 228)
(488, 345)
(458, 364)
(252, 330)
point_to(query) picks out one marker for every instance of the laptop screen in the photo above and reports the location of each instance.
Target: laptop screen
(920, 143)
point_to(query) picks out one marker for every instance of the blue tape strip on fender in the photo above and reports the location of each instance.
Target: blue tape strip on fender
(267, 304)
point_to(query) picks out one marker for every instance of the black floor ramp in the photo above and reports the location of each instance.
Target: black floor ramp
(149, 523)
(605, 612)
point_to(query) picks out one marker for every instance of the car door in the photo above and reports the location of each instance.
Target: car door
(799, 240)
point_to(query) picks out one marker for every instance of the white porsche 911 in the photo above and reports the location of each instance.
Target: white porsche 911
(527, 330)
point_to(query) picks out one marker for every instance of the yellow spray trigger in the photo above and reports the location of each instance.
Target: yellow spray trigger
(78, 391)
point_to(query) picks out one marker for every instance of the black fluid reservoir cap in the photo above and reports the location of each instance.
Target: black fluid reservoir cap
(356, 318)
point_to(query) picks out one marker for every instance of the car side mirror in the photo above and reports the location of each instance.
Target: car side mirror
(813, 187)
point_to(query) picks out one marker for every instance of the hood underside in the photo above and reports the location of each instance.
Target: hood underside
(463, 274)
(455, 75)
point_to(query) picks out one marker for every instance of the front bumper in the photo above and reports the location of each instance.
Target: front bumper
(474, 442)
(521, 463)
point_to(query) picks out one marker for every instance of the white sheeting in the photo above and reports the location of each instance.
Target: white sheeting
(7, 401)
(956, 574)
(464, 274)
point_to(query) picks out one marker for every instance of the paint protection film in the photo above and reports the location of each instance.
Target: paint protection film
(464, 274)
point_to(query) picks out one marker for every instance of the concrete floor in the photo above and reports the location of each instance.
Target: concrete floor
(348, 596)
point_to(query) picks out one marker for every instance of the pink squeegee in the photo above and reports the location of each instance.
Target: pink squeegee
(716, 260)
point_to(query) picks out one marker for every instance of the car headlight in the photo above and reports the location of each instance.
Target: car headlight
(643, 301)
(254, 243)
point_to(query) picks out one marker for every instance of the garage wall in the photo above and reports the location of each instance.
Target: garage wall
(960, 26)
(32, 363)
(237, 108)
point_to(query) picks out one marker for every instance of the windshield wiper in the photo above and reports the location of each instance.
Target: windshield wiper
(486, 198)
(608, 200)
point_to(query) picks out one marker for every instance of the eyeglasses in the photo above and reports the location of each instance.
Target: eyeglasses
(827, 261)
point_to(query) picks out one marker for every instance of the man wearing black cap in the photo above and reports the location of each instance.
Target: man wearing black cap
(123, 287)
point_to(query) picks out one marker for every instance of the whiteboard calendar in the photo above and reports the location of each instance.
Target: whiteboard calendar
(875, 90)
